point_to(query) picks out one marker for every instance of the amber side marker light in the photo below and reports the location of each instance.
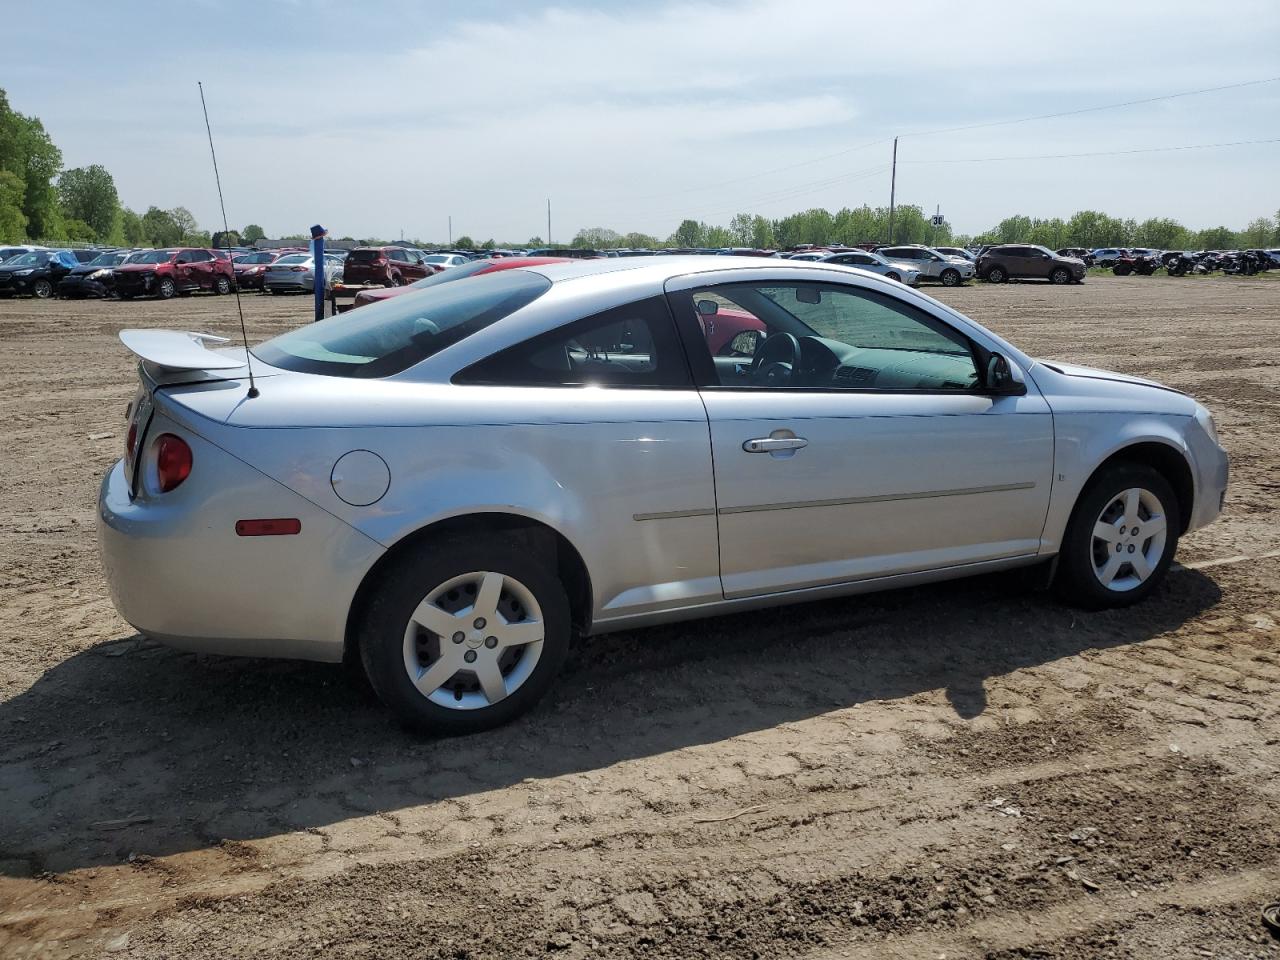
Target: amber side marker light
(282, 527)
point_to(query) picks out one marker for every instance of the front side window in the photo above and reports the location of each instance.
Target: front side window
(789, 335)
(630, 346)
(385, 338)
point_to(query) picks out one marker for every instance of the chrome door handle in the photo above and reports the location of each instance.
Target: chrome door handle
(774, 444)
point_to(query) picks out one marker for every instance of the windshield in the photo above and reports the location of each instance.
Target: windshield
(154, 256)
(106, 260)
(388, 337)
(28, 260)
(256, 258)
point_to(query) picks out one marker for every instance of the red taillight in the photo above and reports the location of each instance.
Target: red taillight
(279, 527)
(173, 461)
(299, 269)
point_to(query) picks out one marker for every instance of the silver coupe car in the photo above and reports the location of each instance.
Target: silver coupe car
(446, 486)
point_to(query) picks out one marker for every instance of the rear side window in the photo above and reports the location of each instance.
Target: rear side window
(630, 346)
(385, 338)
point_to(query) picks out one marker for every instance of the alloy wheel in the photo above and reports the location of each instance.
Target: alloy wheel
(1129, 539)
(474, 640)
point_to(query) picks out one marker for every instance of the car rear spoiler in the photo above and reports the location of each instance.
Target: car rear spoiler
(179, 350)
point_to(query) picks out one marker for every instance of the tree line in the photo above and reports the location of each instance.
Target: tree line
(1087, 228)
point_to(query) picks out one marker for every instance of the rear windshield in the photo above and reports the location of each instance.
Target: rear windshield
(257, 258)
(385, 338)
(364, 256)
(295, 258)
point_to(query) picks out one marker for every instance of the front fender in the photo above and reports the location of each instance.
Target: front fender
(1084, 441)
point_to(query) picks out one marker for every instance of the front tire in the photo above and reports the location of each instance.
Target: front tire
(1121, 538)
(894, 277)
(950, 278)
(465, 635)
(1060, 275)
(222, 286)
(166, 289)
(42, 288)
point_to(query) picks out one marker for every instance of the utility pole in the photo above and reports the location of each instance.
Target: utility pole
(451, 230)
(548, 221)
(893, 186)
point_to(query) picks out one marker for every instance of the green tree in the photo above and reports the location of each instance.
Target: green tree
(225, 238)
(1217, 238)
(1015, 229)
(596, 238)
(465, 243)
(640, 241)
(13, 222)
(252, 233)
(533, 242)
(27, 152)
(159, 229)
(1258, 233)
(77, 231)
(131, 230)
(688, 234)
(89, 194)
(1162, 233)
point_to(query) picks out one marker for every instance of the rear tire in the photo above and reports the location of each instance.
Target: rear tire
(1100, 566)
(408, 635)
(950, 278)
(997, 275)
(1060, 275)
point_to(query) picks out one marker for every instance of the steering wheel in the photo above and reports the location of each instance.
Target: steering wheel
(776, 360)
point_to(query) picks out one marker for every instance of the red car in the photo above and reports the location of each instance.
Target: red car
(389, 266)
(250, 268)
(472, 269)
(166, 273)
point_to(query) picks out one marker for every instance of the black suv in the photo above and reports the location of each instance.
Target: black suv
(37, 272)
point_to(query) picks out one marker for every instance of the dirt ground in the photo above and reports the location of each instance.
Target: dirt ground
(968, 770)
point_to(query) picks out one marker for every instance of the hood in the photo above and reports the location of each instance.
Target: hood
(138, 267)
(1074, 370)
(7, 268)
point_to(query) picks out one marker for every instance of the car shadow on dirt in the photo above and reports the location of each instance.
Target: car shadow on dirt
(132, 747)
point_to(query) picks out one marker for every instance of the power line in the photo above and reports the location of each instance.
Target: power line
(1096, 153)
(1105, 106)
(972, 126)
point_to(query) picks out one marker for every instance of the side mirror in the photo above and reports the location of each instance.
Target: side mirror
(1003, 378)
(1045, 256)
(708, 308)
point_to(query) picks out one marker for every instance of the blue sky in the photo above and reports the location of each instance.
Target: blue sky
(375, 118)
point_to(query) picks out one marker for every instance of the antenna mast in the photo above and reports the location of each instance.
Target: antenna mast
(253, 389)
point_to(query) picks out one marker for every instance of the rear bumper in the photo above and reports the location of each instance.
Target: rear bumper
(304, 284)
(178, 572)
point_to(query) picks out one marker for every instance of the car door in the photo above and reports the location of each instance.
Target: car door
(610, 420)
(876, 451)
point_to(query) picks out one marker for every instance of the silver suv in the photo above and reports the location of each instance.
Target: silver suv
(933, 265)
(903, 272)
